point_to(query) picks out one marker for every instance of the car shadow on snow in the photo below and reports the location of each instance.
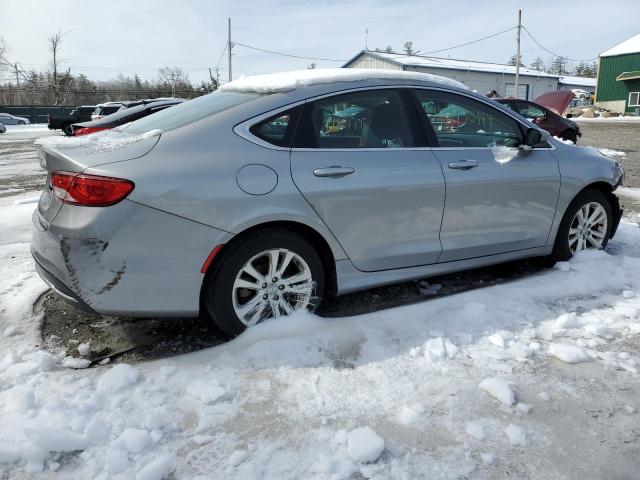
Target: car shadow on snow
(64, 327)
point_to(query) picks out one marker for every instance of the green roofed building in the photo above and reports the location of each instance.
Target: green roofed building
(618, 87)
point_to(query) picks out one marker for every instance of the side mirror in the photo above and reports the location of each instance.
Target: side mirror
(533, 140)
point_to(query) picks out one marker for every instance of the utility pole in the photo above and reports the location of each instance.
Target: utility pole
(518, 53)
(366, 39)
(229, 46)
(17, 82)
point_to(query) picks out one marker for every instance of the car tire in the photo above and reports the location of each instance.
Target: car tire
(223, 298)
(21, 122)
(570, 135)
(563, 248)
(68, 130)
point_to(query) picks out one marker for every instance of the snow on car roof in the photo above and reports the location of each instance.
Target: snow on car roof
(631, 45)
(287, 81)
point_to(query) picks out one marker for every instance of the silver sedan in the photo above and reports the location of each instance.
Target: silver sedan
(8, 119)
(275, 191)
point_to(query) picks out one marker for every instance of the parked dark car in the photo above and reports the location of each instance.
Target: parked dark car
(64, 122)
(543, 116)
(124, 116)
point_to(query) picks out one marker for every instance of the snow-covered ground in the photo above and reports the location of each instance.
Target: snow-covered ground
(535, 378)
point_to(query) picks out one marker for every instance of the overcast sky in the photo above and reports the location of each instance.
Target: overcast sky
(105, 38)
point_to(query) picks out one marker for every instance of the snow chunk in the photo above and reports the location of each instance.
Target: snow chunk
(84, 349)
(287, 81)
(56, 439)
(118, 377)
(488, 458)
(475, 430)
(504, 155)
(364, 445)
(155, 469)
(569, 353)
(516, 435)
(72, 362)
(567, 320)
(133, 440)
(437, 349)
(207, 392)
(499, 389)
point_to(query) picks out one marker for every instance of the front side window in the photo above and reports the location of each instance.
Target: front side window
(277, 130)
(634, 99)
(370, 119)
(460, 121)
(531, 111)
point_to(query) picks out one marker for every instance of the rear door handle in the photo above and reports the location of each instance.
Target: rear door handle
(334, 171)
(463, 164)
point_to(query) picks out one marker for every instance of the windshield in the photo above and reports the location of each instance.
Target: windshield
(190, 111)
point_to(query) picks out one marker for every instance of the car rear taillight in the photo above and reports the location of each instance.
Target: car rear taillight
(87, 130)
(89, 190)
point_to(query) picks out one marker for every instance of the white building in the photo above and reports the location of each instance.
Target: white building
(480, 76)
(580, 83)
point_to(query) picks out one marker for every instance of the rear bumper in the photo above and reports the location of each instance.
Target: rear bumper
(59, 288)
(126, 259)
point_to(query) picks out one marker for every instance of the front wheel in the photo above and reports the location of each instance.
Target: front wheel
(268, 274)
(570, 135)
(586, 225)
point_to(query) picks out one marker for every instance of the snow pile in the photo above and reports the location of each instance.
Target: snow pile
(287, 81)
(396, 393)
(104, 141)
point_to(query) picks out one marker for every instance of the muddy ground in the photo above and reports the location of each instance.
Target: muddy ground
(64, 327)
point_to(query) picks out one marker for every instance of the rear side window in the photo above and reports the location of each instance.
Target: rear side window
(369, 119)
(279, 129)
(190, 111)
(109, 110)
(460, 121)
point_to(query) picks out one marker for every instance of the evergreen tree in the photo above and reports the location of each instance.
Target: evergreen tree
(559, 66)
(512, 61)
(538, 65)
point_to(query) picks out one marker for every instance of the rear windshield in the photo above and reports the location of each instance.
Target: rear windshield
(108, 110)
(190, 111)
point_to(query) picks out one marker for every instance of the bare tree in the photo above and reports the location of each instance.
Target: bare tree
(59, 84)
(408, 48)
(173, 77)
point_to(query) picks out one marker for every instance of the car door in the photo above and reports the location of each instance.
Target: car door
(357, 162)
(499, 198)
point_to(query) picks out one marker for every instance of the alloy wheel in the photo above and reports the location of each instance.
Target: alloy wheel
(271, 284)
(588, 228)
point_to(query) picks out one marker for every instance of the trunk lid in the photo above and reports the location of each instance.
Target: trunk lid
(76, 154)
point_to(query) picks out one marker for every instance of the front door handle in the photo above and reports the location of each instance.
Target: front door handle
(463, 164)
(334, 171)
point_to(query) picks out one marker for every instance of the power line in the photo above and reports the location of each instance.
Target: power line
(289, 54)
(471, 42)
(553, 53)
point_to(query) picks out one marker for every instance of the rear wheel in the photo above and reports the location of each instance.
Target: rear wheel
(268, 274)
(21, 122)
(68, 130)
(586, 225)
